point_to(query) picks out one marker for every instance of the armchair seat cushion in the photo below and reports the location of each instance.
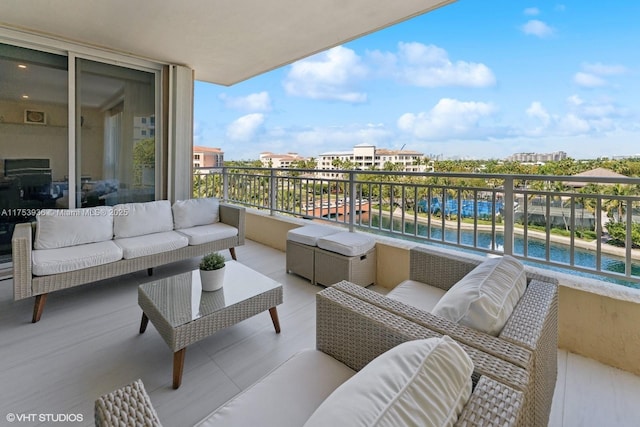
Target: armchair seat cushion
(62, 260)
(285, 397)
(417, 294)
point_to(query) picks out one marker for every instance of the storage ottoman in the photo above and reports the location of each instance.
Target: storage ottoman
(301, 247)
(345, 256)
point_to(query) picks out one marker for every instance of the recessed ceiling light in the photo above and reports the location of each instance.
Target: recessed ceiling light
(25, 96)
(22, 66)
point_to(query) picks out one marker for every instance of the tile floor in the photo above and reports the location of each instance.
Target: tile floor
(87, 344)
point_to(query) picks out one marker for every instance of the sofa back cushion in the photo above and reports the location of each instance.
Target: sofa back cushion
(419, 383)
(485, 298)
(194, 212)
(137, 219)
(59, 228)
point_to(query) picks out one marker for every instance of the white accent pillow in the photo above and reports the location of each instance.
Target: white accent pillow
(418, 383)
(193, 212)
(485, 298)
(137, 219)
(60, 228)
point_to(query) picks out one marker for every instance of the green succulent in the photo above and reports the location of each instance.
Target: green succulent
(212, 261)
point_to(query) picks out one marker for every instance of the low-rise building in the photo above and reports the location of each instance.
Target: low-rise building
(271, 160)
(207, 157)
(367, 156)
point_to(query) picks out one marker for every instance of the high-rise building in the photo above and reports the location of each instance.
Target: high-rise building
(537, 157)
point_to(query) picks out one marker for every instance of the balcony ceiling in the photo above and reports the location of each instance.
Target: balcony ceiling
(224, 41)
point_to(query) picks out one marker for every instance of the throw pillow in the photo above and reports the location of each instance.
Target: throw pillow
(418, 383)
(138, 219)
(59, 228)
(485, 298)
(194, 212)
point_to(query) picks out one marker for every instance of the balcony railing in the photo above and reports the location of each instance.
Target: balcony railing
(589, 226)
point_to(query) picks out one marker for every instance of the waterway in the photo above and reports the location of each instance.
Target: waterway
(558, 253)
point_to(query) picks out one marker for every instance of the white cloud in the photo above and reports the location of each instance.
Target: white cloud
(532, 11)
(588, 80)
(449, 118)
(537, 28)
(429, 66)
(592, 74)
(255, 102)
(330, 75)
(581, 118)
(604, 69)
(245, 127)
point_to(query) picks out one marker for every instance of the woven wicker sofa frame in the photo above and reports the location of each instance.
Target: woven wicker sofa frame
(26, 285)
(529, 338)
(355, 332)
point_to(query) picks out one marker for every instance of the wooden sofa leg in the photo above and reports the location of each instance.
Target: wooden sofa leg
(38, 307)
(232, 251)
(149, 271)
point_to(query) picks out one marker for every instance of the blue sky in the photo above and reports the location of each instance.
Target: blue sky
(470, 80)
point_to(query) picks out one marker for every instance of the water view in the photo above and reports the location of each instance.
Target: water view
(558, 253)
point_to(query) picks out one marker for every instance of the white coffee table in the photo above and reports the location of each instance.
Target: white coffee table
(183, 314)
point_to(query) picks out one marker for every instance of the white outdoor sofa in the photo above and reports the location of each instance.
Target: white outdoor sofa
(66, 248)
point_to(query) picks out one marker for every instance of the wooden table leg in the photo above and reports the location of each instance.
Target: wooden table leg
(274, 318)
(143, 323)
(178, 365)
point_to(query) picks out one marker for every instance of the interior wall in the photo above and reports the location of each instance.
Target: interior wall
(49, 141)
(23, 140)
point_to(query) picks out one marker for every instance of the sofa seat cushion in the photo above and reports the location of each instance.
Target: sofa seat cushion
(139, 219)
(417, 294)
(193, 212)
(485, 298)
(417, 383)
(285, 397)
(309, 234)
(347, 243)
(208, 233)
(59, 228)
(134, 247)
(62, 260)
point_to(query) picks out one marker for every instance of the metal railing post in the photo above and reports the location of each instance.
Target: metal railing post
(352, 200)
(272, 192)
(508, 214)
(225, 184)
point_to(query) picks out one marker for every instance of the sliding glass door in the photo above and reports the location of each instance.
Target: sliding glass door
(34, 160)
(115, 134)
(99, 149)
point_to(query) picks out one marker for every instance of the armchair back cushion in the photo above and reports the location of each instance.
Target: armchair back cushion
(138, 219)
(60, 228)
(485, 298)
(194, 212)
(421, 383)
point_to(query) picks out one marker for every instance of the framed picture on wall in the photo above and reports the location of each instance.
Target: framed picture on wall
(35, 117)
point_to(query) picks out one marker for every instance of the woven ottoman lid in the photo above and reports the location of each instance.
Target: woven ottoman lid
(347, 243)
(309, 234)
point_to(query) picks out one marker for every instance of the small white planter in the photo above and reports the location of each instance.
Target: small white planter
(212, 280)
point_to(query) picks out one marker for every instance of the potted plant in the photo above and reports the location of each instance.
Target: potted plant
(212, 271)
